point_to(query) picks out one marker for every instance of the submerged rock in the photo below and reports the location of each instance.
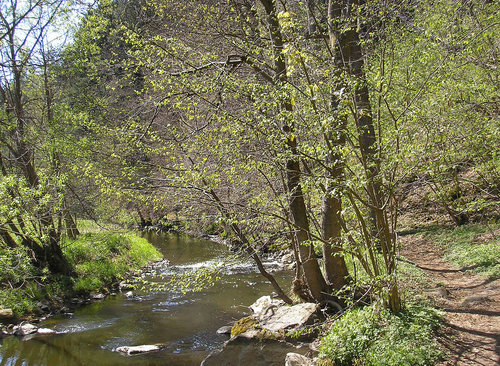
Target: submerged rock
(134, 350)
(24, 329)
(241, 351)
(295, 359)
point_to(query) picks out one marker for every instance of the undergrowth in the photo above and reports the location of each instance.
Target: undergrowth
(377, 337)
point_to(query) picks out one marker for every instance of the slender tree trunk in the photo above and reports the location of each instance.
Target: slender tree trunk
(71, 228)
(351, 53)
(312, 272)
(336, 272)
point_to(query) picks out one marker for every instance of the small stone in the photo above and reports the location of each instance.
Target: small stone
(294, 359)
(440, 292)
(134, 350)
(25, 329)
(288, 258)
(129, 294)
(262, 304)
(474, 300)
(98, 296)
(76, 300)
(124, 285)
(46, 331)
(6, 313)
(225, 330)
(43, 306)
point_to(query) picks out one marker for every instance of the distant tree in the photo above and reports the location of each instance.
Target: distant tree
(32, 200)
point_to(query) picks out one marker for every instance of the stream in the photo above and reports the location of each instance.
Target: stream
(185, 323)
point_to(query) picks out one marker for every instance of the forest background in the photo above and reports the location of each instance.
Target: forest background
(326, 127)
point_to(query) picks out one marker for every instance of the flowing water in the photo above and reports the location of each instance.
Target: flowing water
(185, 323)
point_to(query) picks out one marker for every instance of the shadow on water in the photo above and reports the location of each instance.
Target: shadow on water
(186, 324)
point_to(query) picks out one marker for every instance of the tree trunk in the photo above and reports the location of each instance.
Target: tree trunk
(336, 272)
(71, 228)
(353, 63)
(312, 272)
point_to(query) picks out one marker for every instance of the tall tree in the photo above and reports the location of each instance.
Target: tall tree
(23, 28)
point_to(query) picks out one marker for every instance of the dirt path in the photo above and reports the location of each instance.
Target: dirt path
(471, 304)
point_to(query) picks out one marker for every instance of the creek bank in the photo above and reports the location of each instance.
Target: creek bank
(25, 326)
(284, 258)
(276, 260)
(266, 337)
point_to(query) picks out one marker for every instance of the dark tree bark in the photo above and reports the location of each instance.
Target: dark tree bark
(298, 211)
(351, 53)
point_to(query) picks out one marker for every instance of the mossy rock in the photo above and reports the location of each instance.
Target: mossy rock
(251, 323)
(242, 325)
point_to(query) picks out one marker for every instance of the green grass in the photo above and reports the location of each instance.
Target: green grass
(475, 247)
(102, 259)
(99, 259)
(90, 226)
(373, 337)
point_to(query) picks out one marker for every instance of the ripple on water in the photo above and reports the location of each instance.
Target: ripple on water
(85, 325)
(176, 301)
(223, 265)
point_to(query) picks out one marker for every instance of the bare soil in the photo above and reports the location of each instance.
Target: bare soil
(471, 304)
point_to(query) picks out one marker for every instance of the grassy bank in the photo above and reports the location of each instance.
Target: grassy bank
(100, 260)
(474, 247)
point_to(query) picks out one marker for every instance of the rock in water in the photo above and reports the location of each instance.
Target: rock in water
(45, 331)
(134, 350)
(225, 329)
(259, 340)
(6, 314)
(295, 359)
(263, 303)
(25, 329)
(289, 317)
